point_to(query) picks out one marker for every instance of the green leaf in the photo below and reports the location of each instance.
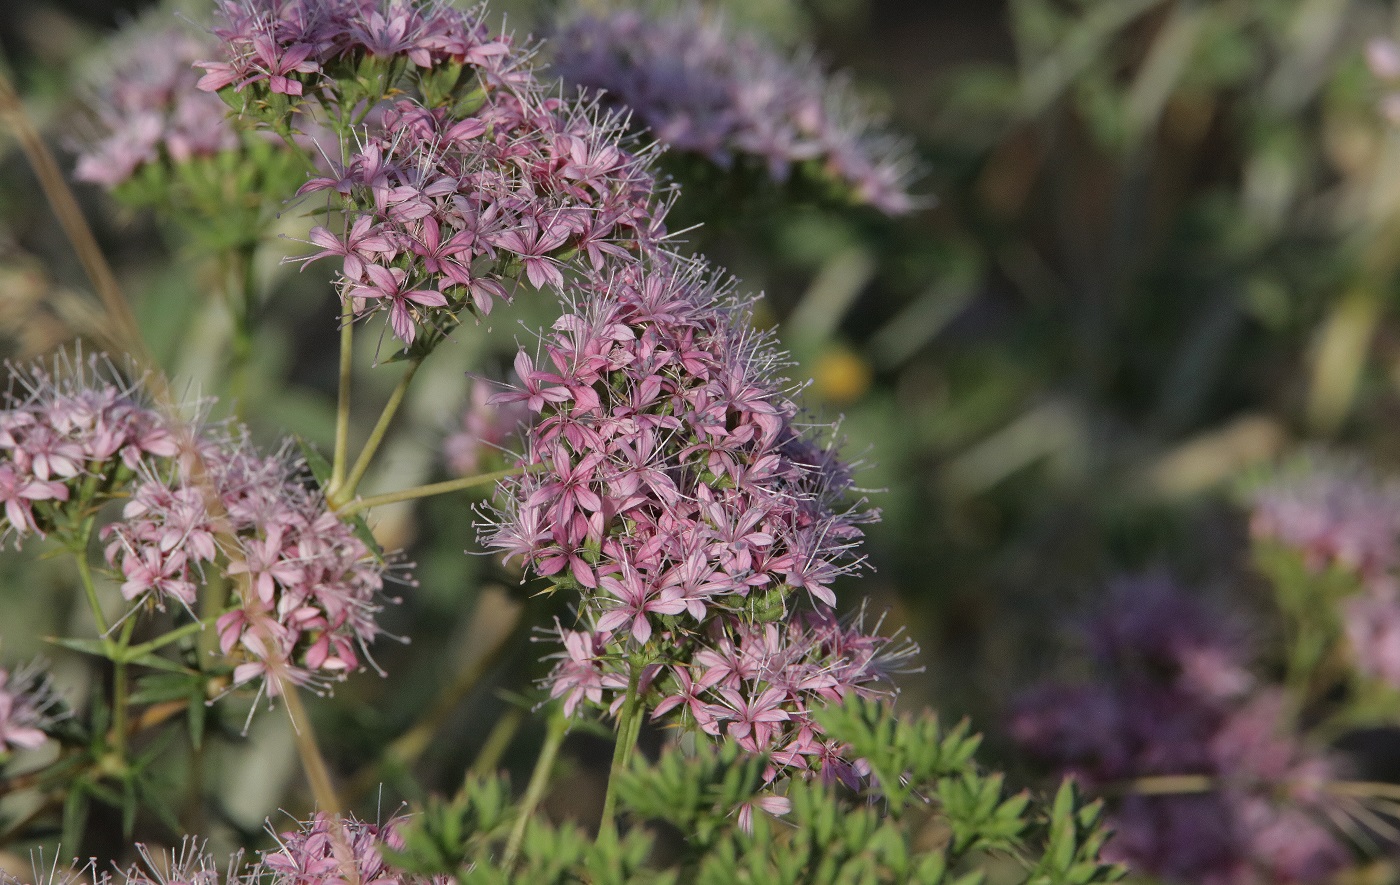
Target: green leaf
(98, 647)
(75, 812)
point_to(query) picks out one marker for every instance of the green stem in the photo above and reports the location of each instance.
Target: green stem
(178, 633)
(121, 689)
(539, 779)
(318, 774)
(496, 743)
(342, 402)
(211, 605)
(427, 491)
(629, 727)
(80, 545)
(345, 492)
(241, 297)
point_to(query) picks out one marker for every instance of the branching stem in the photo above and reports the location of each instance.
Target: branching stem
(427, 491)
(342, 494)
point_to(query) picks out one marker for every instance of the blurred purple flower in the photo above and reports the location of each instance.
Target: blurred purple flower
(1173, 701)
(702, 87)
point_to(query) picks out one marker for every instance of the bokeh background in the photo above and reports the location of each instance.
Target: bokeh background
(1163, 256)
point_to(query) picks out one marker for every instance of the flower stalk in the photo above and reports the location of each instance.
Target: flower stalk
(539, 780)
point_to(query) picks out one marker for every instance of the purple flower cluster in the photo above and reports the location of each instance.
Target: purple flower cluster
(28, 706)
(1174, 701)
(485, 428)
(678, 495)
(147, 109)
(308, 586)
(703, 88)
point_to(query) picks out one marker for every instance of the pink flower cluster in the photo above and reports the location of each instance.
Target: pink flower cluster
(442, 212)
(1334, 514)
(28, 706)
(680, 497)
(1173, 698)
(1342, 515)
(147, 109)
(308, 586)
(67, 437)
(449, 195)
(703, 88)
(290, 45)
(311, 855)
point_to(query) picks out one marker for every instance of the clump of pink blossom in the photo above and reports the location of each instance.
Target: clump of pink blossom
(197, 504)
(706, 88)
(1343, 515)
(327, 850)
(1334, 514)
(677, 493)
(1171, 699)
(448, 197)
(299, 47)
(70, 433)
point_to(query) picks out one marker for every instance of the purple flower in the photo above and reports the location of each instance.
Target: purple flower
(1170, 699)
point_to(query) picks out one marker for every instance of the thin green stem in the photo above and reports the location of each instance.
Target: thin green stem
(175, 635)
(628, 729)
(496, 743)
(427, 491)
(318, 774)
(342, 401)
(80, 545)
(343, 493)
(241, 297)
(121, 689)
(211, 604)
(539, 780)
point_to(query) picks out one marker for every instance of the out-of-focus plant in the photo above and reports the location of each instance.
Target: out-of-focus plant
(1226, 759)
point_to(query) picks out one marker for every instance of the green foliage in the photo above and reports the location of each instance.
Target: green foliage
(929, 815)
